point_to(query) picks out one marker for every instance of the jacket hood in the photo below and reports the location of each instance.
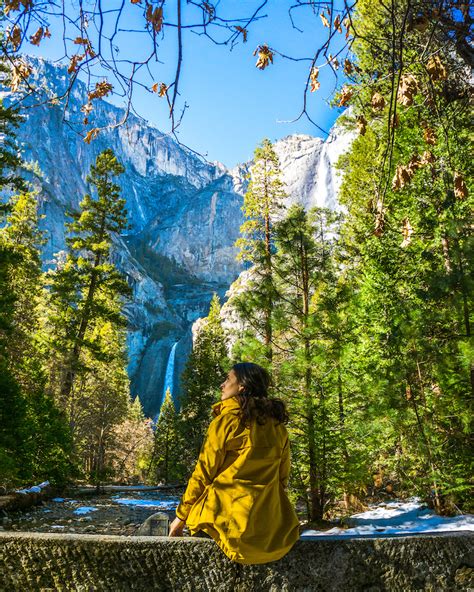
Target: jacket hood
(226, 404)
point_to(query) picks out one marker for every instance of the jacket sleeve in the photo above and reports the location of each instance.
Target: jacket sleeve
(285, 464)
(210, 460)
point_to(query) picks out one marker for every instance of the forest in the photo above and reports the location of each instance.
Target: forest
(362, 317)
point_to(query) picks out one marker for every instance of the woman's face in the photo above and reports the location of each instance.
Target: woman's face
(230, 387)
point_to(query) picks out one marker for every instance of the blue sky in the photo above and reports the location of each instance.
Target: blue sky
(232, 104)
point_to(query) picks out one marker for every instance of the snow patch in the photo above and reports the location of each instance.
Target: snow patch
(397, 517)
(34, 488)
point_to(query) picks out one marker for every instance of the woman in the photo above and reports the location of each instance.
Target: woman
(236, 494)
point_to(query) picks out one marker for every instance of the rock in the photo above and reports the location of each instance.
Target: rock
(155, 525)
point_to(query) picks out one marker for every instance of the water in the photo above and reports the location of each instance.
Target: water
(168, 384)
(117, 512)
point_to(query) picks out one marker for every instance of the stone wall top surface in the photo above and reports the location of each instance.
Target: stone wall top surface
(77, 562)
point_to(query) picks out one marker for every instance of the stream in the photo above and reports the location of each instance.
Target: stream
(118, 512)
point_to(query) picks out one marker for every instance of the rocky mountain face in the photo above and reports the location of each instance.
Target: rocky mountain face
(184, 212)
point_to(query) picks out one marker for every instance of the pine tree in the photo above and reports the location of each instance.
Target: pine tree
(10, 160)
(87, 288)
(104, 402)
(36, 442)
(20, 232)
(263, 203)
(164, 464)
(406, 191)
(305, 268)
(205, 371)
(12, 402)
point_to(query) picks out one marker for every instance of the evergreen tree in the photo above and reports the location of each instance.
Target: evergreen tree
(104, 401)
(309, 349)
(205, 371)
(406, 238)
(86, 288)
(85, 350)
(21, 234)
(263, 203)
(36, 438)
(10, 160)
(12, 402)
(165, 464)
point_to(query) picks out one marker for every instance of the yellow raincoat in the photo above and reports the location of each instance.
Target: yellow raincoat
(236, 493)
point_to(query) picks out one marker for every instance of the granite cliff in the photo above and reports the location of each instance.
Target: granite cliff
(185, 214)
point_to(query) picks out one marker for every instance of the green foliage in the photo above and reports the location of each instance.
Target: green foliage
(84, 326)
(371, 332)
(35, 442)
(205, 371)
(162, 269)
(406, 243)
(165, 462)
(87, 289)
(263, 202)
(10, 161)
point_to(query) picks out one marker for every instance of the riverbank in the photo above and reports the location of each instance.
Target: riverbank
(121, 510)
(117, 511)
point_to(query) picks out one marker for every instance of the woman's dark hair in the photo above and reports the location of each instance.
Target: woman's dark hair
(254, 400)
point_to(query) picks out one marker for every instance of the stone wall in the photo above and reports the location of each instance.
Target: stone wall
(47, 562)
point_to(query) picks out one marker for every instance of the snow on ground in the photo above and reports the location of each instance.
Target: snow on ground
(34, 488)
(397, 517)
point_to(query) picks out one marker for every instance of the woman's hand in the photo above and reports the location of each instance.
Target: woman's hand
(176, 527)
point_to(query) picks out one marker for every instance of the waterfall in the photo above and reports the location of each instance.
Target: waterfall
(168, 380)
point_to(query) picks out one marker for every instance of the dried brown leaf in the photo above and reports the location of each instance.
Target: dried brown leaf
(429, 136)
(265, 56)
(460, 189)
(244, 33)
(377, 102)
(324, 19)
(334, 61)
(36, 38)
(379, 218)
(14, 37)
(91, 135)
(20, 72)
(407, 231)
(155, 17)
(361, 124)
(346, 95)
(102, 89)
(436, 69)
(313, 77)
(402, 176)
(73, 64)
(407, 89)
(427, 157)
